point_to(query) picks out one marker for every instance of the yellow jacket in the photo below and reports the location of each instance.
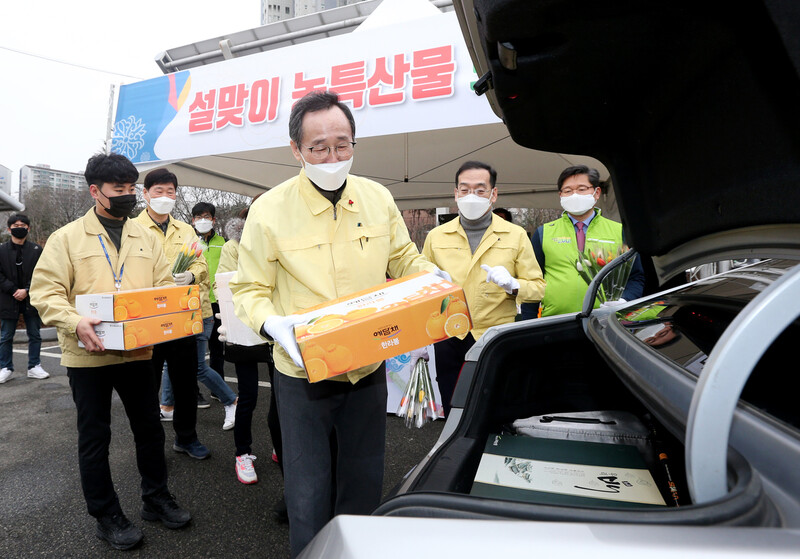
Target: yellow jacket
(177, 233)
(73, 263)
(298, 251)
(503, 244)
(229, 257)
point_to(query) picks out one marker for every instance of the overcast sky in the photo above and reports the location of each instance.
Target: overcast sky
(53, 110)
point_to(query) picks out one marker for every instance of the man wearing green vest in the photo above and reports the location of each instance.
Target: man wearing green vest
(204, 222)
(557, 243)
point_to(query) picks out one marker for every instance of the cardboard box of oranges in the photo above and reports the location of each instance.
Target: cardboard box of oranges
(379, 323)
(138, 303)
(142, 332)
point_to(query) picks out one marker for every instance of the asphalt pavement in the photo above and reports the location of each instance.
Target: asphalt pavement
(42, 511)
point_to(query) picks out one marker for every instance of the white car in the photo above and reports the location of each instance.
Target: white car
(694, 107)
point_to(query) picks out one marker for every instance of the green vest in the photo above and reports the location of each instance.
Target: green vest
(212, 252)
(565, 288)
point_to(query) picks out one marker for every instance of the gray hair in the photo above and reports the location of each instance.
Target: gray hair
(234, 228)
(311, 103)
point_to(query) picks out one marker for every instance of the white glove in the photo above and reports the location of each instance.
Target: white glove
(184, 278)
(281, 329)
(421, 353)
(221, 331)
(611, 304)
(502, 277)
(442, 274)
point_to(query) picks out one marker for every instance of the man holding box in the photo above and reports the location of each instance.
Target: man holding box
(160, 193)
(98, 253)
(489, 257)
(316, 237)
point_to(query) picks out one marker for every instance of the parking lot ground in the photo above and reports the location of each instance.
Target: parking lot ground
(42, 511)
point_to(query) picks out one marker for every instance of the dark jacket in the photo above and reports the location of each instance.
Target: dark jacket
(10, 308)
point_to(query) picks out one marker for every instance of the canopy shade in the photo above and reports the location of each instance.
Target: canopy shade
(418, 168)
(409, 84)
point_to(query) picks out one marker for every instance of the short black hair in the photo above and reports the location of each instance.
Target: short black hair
(504, 213)
(593, 174)
(13, 218)
(162, 175)
(112, 168)
(202, 207)
(311, 103)
(478, 165)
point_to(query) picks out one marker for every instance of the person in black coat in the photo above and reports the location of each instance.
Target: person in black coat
(18, 258)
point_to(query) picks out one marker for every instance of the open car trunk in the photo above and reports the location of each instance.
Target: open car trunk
(555, 369)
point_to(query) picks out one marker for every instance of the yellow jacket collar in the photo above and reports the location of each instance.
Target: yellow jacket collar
(498, 224)
(92, 225)
(317, 203)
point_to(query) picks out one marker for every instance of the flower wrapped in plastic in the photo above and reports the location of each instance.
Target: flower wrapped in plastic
(593, 259)
(188, 253)
(418, 405)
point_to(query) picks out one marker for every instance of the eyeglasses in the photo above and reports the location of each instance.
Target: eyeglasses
(320, 153)
(568, 191)
(480, 191)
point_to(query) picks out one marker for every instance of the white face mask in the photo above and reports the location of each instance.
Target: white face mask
(203, 226)
(161, 205)
(578, 204)
(473, 206)
(328, 176)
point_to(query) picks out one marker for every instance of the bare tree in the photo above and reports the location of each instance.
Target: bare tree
(531, 219)
(419, 223)
(227, 204)
(50, 209)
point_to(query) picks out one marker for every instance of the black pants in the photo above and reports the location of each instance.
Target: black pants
(311, 415)
(92, 390)
(450, 355)
(181, 358)
(216, 348)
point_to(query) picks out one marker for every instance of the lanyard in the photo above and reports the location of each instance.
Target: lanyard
(117, 281)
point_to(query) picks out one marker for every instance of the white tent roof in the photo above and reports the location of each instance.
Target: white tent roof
(413, 147)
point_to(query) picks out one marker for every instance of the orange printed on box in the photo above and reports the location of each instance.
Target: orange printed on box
(143, 332)
(382, 322)
(120, 306)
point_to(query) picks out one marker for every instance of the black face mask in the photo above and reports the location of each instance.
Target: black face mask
(19, 232)
(120, 206)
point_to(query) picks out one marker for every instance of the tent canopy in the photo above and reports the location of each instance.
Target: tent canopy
(409, 83)
(10, 204)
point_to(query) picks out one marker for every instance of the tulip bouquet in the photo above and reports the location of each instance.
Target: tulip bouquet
(190, 250)
(418, 405)
(593, 258)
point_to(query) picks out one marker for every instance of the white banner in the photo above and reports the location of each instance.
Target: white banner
(402, 78)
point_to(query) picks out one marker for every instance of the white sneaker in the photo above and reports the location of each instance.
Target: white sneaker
(37, 372)
(245, 470)
(230, 417)
(166, 415)
(5, 374)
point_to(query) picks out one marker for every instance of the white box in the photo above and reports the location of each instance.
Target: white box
(237, 332)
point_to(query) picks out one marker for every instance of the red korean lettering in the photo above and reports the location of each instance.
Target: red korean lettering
(264, 98)
(432, 73)
(230, 109)
(304, 86)
(202, 111)
(349, 82)
(383, 78)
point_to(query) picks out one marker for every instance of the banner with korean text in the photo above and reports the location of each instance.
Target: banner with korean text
(409, 77)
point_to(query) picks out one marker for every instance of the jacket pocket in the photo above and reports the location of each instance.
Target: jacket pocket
(371, 243)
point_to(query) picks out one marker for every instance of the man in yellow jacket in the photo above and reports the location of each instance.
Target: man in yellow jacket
(321, 235)
(160, 193)
(98, 253)
(491, 258)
